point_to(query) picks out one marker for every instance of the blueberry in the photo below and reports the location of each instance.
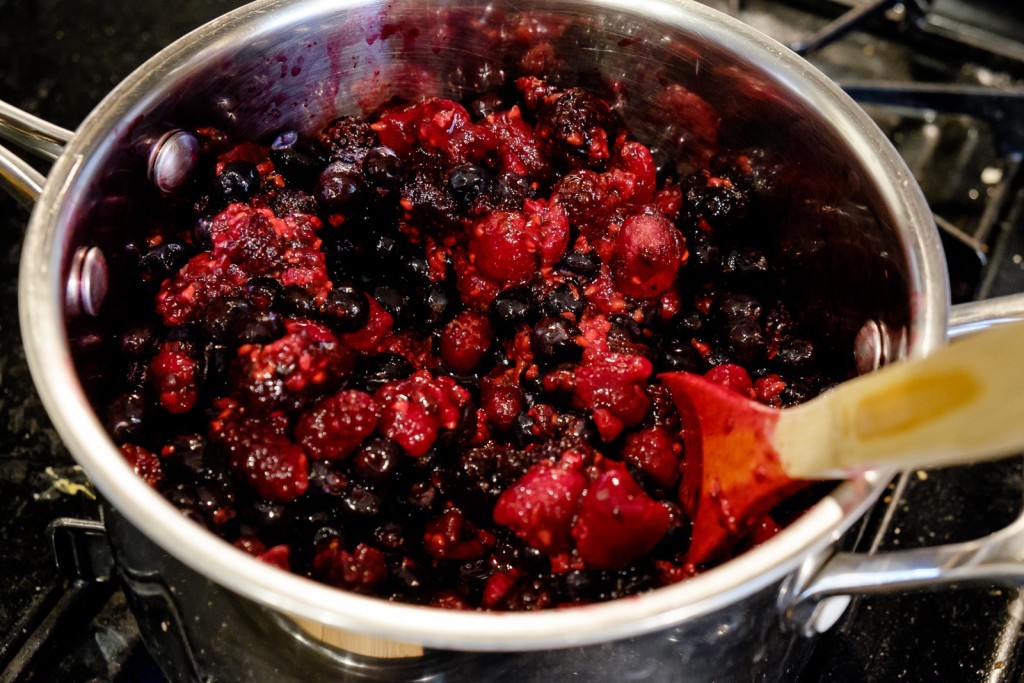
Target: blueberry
(346, 308)
(746, 262)
(552, 341)
(221, 317)
(748, 340)
(796, 391)
(125, 417)
(395, 301)
(467, 182)
(376, 460)
(511, 189)
(297, 301)
(296, 165)
(215, 360)
(138, 339)
(382, 369)
(238, 182)
(439, 305)
(797, 354)
(733, 306)
(361, 501)
(562, 300)
(161, 261)
(586, 264)
(262, 292)
(383, 170)
(261, 327)
(679, 355)
(416, 270)
(688, 324)
(512, 308)
(339, 187)
(202, 233)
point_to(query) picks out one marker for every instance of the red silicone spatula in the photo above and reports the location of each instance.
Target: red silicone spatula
(960, 404)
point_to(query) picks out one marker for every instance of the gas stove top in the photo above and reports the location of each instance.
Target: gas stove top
(943, 78)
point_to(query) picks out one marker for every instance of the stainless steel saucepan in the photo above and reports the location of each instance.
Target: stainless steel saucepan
(860, 238)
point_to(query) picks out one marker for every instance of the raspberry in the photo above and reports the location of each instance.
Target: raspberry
(451, 537)
(437, 126)
(501, 400)
(656, 453)
(287, 373)
(636, 159)
(360, 570)
(733, 377)
(499, 248)
(278, 556)
(201, 280)
(618, 523)
(174, 376)
(258, 450)
(414, 410)
(612, 388)
(517, 147)
(648, 253)
(465, 340)
(336, 425)
(378, 326)
(146, 464)
(541, 506)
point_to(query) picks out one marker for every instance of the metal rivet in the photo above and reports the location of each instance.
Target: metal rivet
(172, 160)
(87, 281)
(877, 345)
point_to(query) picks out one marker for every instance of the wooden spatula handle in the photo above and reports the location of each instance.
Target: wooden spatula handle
(962, 403)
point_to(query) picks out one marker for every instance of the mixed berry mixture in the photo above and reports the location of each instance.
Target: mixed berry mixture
(416, 355)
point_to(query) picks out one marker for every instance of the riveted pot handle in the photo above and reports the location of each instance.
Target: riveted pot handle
(18, 179)
(979, 315)
(31, 133)
(816, 598)
(996, 559)
(35, 136)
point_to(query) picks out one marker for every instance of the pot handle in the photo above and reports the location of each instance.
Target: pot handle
(34, 135)
(31, 133)
(975, 316)
(817, 596)
(994, 559)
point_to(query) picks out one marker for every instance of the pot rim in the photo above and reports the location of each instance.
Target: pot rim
(41, 303)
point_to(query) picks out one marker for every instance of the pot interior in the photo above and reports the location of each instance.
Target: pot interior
(849, 225)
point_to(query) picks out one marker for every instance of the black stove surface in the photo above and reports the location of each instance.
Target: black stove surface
(62, 57)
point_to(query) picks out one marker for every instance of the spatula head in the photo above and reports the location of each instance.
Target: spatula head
(732, 474)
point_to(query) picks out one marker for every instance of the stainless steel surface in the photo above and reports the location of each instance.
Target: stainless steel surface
(20, 180)
(997, 559)
(88, 281)
(172, 160)
(32, 133)
(979, 315)
(229, 73)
